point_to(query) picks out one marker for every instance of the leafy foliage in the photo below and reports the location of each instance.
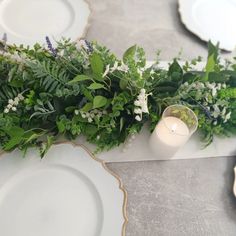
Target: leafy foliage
(85, 90)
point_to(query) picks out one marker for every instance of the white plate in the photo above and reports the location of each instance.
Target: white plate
(29, 21)
(234, 187)
(66, 193)
(211, 20)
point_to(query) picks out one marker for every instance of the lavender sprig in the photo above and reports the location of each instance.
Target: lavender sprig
(50, 47)
(89, 46)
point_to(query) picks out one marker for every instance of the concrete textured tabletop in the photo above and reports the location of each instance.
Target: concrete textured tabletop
(166, 198)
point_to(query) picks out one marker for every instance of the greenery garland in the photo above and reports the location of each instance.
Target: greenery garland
(83, 89)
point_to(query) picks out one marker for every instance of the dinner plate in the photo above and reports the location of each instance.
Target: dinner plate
(234, 187)
(68, 192)
(29, 21)
(211, 20)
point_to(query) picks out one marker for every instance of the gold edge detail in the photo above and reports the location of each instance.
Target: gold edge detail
(121, 186)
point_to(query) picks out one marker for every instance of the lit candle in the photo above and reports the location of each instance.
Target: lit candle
(173, 130)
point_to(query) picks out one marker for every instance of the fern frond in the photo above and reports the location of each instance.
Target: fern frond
(51, 75)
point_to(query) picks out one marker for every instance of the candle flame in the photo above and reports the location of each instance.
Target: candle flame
(173, 128)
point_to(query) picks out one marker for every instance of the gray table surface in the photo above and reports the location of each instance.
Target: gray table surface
(166, 198)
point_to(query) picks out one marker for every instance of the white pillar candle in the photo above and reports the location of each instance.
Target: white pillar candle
(172, 132)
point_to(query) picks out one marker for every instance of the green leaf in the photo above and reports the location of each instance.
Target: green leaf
(15, 131)
(97, 66)
(87, 107)
(210, 63)
(95, 85)
(79, 78)
(12, 143)
(99, 101)
(121, 123)
(123, 84)
(61, 126)
(130, 52)
(213, 50)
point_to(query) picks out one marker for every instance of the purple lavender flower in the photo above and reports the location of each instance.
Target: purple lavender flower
(50, 47)
(89, 46)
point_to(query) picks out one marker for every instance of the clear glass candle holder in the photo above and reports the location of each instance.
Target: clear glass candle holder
(176, 126)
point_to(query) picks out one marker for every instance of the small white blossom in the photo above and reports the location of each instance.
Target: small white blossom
(14, 108)
(6, 110)
(16, 99)
(20, 96)
(10, 101)
(215, 122)
(76, 112)
(138, 118)
(227, 117)
(9, 106)
(106, 71)
(90, 120)
(123, 68)
(83, 115)
(137, 103)
(224, 85)
(137, 111)
(98, 137)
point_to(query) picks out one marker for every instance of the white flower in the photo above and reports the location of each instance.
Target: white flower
(92, 115)
(223, 111)
(14, 108)
(141, 97)
(20, 96)
(83, 115)
(9, 106)
(224, 85)
(227, 117)
(16, 100)
(115, 67)
(98, 137)
(106, 71)
(145, 108)
(76, 112)
(214, 92)
(215, 122)
(137, 103)
(90, 120)
(138, 118)
(87, 114)
(143, 91)
(10, 101)
(137, 111)
(123, 68)
(6, 110)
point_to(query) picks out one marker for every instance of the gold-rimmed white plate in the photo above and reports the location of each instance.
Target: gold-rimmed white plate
(68, 192)
(29, 21)
(211, 20)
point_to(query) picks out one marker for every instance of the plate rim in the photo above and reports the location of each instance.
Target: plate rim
(76, 39)
(103, 164)
(191, 27)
